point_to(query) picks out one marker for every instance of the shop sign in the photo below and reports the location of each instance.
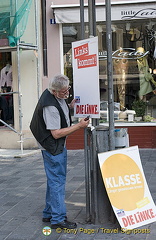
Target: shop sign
(127, 188)
(125, 53)
(123, 12)
(129, 53)
(142, 13)
(86, 77)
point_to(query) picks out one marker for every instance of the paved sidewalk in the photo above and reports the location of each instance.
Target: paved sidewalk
(9, 153)
(22, 193)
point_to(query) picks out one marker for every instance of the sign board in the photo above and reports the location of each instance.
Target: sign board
(86, 77)
(127, 188)
(125, 53)
(125, 12)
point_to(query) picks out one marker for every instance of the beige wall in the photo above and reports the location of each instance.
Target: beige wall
(53, 47)
(28, 87)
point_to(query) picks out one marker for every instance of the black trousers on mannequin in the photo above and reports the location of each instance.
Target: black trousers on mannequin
(4, 108)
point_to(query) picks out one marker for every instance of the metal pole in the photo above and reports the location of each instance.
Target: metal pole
(87, 174)
(86, 135)
(82, 18)
(37, 44)
(19, 87)
(44, 33)
(19, 97)
(92, 32)
(95, 122)
(94, 180)
(8, 126)
(110, 75)
(92, 18)
(110, 85)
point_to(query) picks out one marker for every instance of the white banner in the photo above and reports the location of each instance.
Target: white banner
(127, 188)
(86, 77)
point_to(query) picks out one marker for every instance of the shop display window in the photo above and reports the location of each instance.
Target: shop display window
(134, 64)
(6, 89)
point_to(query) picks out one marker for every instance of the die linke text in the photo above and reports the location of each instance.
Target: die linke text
(87, 109)
(138, 217)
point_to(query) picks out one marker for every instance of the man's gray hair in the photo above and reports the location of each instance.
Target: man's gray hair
(58, 82)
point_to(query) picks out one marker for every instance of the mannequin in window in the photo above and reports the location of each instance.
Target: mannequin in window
(6, 78)
(6, 86)
(120, 67)
(145, 76)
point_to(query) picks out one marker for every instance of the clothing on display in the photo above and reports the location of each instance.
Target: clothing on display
(121, 66)
(145, 76)
(6, 78)
(6, 101)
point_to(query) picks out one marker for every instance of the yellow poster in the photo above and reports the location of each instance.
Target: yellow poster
(127, 188)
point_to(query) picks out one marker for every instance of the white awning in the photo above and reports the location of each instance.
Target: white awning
(122, 11)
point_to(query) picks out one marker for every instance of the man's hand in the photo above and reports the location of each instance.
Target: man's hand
(71, 105)
(83, 123)
(63, 132)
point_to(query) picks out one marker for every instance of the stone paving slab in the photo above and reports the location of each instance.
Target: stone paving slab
(9, 153)
(22, 194)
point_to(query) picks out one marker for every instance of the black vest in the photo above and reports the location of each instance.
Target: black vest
(38, 127)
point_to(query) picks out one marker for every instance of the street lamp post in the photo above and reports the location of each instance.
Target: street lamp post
(110, 75)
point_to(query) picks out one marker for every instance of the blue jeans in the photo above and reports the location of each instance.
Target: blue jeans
(55, 168)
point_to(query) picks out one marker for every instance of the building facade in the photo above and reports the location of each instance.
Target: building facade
(134, 66)
(21, 49)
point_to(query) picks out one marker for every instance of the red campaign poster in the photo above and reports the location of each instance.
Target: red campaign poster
(86, 77)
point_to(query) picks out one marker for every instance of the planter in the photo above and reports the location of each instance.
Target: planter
(138, 119)
(139, 106)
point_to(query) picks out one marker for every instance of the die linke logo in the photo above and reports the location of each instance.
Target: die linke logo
(143, 13)
(84, 60)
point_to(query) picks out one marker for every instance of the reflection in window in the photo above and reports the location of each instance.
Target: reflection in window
(134, 61)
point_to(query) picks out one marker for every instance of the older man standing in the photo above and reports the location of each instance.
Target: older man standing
(50, 125)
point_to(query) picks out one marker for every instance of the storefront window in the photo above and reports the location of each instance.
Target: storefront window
(134, 65)
(6, 89)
